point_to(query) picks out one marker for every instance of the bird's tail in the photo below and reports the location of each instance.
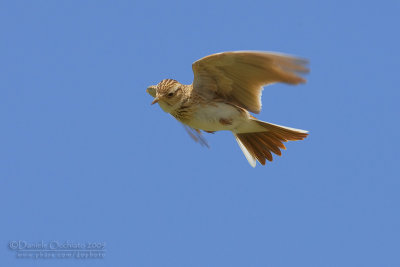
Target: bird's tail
(259, 145)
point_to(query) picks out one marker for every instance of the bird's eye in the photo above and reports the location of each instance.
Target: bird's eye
(170, 94)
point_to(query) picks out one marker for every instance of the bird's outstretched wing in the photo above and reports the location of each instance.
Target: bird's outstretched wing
(239, 76)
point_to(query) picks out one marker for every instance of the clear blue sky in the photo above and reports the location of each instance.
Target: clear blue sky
(85, 158)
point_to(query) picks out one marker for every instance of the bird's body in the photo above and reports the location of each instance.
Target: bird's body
(226, 87)
(210, 116)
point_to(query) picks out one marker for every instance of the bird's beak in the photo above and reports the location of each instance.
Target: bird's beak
(155, 100)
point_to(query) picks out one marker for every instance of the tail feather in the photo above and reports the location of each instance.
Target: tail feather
(250, 158)
(271, 145)
(265, 152)
(258, 152)
(259, 145)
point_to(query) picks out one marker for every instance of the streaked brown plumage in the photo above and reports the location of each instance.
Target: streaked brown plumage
(226, 87)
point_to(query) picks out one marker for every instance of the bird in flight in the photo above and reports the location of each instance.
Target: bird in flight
(226, 88)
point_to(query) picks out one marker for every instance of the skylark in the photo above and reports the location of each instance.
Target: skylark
(226, 88)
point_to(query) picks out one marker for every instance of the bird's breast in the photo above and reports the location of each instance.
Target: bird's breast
(215, 117)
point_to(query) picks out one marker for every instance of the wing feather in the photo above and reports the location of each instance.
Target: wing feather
(240, 76)
(196, 135)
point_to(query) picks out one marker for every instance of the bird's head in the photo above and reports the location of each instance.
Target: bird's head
(168, 94)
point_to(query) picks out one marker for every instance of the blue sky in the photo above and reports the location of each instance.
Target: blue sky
(85, 158)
